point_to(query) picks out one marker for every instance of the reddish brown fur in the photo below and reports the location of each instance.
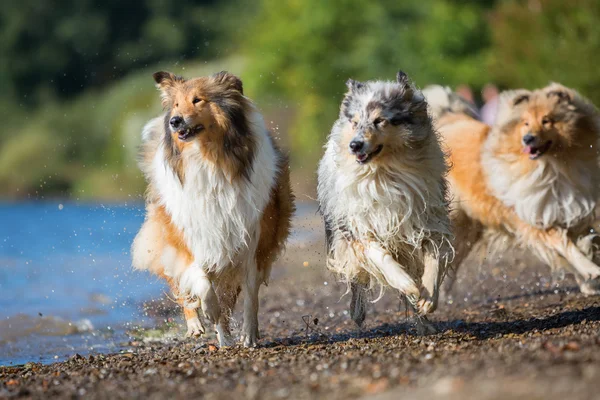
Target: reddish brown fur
(476, 208)
(276, 221)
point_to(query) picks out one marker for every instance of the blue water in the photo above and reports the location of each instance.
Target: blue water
(66, 283)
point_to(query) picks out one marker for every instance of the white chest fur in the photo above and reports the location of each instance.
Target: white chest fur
(552, 194)
(395, 206)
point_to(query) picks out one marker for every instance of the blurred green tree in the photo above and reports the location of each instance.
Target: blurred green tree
(55, 49)
(538, 41)
(306, 50)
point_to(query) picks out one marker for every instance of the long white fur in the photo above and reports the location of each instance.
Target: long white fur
(398, 204)
(553, 194)
(215, 216)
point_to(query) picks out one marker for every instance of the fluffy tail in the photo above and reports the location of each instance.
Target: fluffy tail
(442, 100)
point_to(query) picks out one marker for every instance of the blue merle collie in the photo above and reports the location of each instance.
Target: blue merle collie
(382, 193)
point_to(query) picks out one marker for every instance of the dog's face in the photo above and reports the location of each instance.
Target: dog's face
(199, 109)
(381, 118)
(549, 122)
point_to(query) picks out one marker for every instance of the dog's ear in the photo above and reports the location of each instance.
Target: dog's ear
(229, 80)
(353, 85)
(165, 79)
(561, 93)
(509, 103)
(402, 78)
(520, 97)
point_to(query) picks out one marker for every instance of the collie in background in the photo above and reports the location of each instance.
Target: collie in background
(218, 202)
(382, 193)
(533, 177)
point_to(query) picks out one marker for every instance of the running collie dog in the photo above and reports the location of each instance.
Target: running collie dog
(218, 203)
(382, 193)
(534, 176)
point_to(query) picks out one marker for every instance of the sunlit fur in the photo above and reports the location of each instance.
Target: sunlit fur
(393, 209)
(218, 203)
(545, 200)
(561, 187)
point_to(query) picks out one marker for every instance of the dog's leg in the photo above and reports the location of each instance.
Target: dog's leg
(586, 272)
(227, 290)
(251, 286)
(194, 325)
(195, 281)
(190, 311)
(558, 241)
(358, 304)
(430, 284)
(467, 233)
(393, 272)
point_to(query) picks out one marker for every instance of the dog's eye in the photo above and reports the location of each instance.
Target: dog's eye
(354, 123)
(196, 100)
(378, 121)
(546, 121)
(526, 123)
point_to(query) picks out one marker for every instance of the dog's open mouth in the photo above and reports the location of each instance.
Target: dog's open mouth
(363, 158)
(188, 133)
(536, 152)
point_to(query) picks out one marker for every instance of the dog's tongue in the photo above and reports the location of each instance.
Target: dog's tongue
(528, 150)
(362, 157)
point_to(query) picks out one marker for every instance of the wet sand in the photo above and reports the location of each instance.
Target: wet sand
(506, 332)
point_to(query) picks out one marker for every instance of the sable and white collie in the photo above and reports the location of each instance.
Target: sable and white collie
(382, 193)
(218, 203)
(533, 177)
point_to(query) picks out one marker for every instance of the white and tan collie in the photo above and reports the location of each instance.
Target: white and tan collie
(533, 177)
(218, 204)
(382, 193)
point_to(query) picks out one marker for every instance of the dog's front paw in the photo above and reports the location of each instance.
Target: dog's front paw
(210, 305)
(426, 305)
(250, 338)
(194, 328)
(226, 340)
(427, 302)
(590, 287)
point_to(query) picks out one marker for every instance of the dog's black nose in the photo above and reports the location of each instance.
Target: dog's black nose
(176, 122)
(528, 139)
(356, 145)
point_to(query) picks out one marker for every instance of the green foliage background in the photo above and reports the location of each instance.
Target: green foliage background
(75, 85)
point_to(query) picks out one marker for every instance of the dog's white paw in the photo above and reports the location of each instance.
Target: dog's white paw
(426, 306)
(194, 328)
(210, 305)
(250, 339)
(427, 303)
(226, 341)
(590, 287)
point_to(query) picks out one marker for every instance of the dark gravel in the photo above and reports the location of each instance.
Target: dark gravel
(507, 332)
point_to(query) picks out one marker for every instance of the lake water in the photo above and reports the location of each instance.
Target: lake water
(66, 282)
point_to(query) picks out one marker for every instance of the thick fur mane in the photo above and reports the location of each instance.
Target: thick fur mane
(215, 212)
(399, 201)
(552, 194)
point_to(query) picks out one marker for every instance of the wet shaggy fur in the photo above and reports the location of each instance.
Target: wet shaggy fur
(384, 206)
(533, 177)
(218, 203)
